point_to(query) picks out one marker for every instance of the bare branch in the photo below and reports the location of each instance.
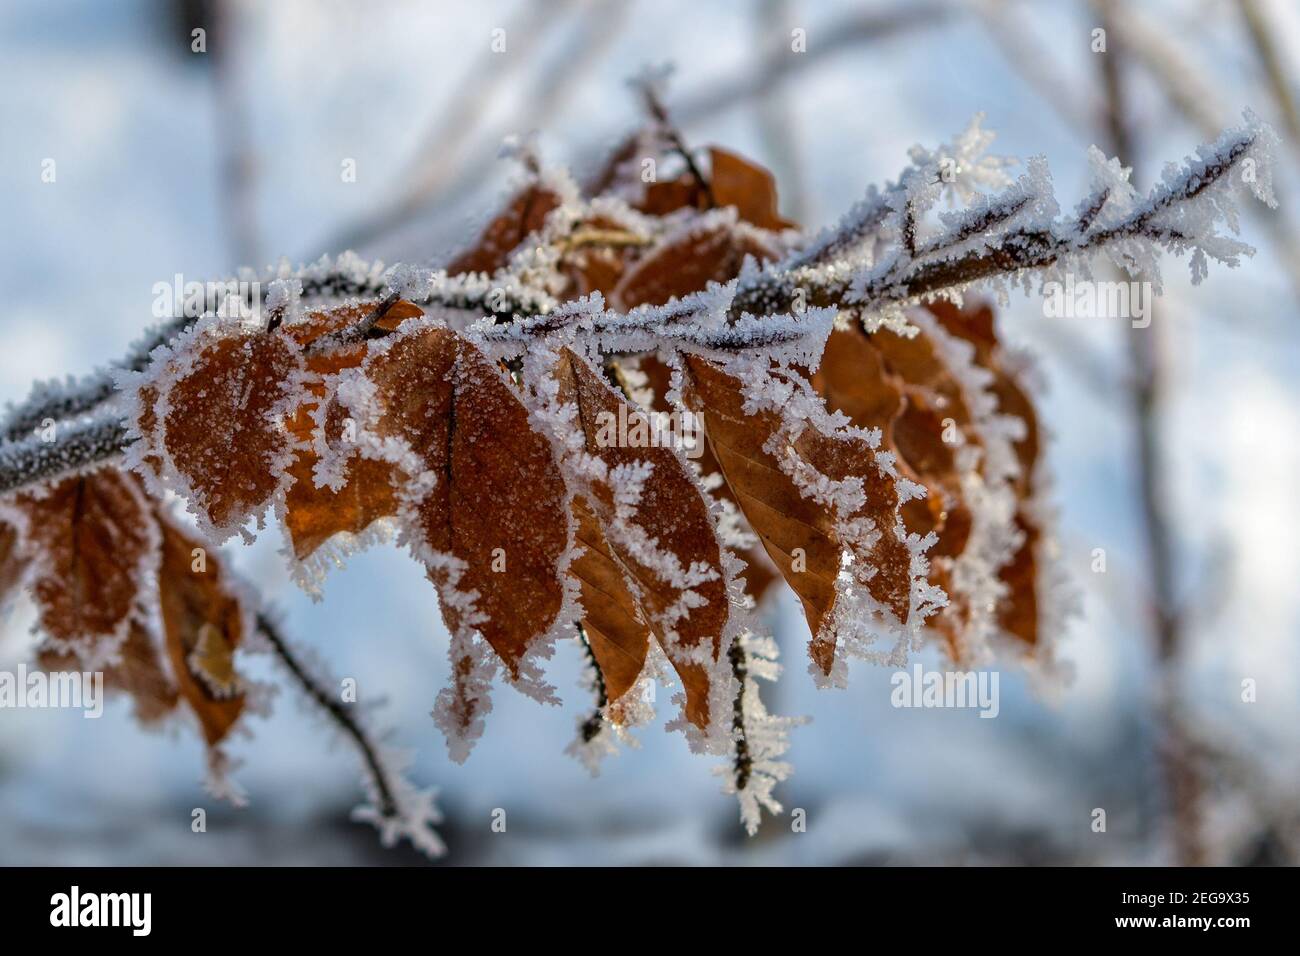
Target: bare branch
(399, 809)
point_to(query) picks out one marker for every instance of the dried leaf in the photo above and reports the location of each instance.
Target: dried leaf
(525, 215)
(597, 253)
(203, 624)
(807, 537)
(618, 636)
(91, 543)
(139, 673)
(657, 524)
(759, 573)
(491, 517)
(221, 421)
(736, 181)
(13, 565)
(1020, 612)
(368, 490)
(687, 264)
(662, 197)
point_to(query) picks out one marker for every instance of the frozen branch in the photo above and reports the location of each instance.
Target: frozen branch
(878, 260)
(1002, 239)
(324, 281)
(396, 807)
(71, 448)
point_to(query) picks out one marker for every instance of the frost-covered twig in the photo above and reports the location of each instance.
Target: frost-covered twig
(760, 740)
(650, 85)
(74, 447)
(1002, 239)
(594, 723)
(744, 763)
(397, 808)
(326, 280)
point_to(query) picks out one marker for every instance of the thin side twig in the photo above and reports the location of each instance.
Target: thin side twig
(336, 711)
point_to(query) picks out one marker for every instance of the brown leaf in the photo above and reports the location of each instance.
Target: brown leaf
(597, 253)
(203, 623)
(146, 423)
(736, 181)
(806, 538)
(784, 520)
(140, 673)
(662, 197)
(494, 524)
(619, 638)
(221, 427)
(671, 519)
(13, 565)
(945, 446)
(687, 264)
(317, 323)
(853, 380)
(1019, 613)
(759, 573)
(314, 515)
(91, 542)
(525, 215)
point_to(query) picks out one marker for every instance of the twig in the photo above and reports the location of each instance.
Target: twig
(591, 726)
(935, 271)
(1180, 80)
(655, 106)
(76, 447)
(336, 712)
(744, 763)
(763, 308)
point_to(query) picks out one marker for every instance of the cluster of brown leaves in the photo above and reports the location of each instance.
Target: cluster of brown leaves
(495, 475)
(121, 586)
